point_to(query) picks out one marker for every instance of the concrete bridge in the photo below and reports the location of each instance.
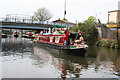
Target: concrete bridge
(27, 24)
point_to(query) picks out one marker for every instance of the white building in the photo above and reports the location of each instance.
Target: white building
(114, 16)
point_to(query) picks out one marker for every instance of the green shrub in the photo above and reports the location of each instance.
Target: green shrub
(108, 43)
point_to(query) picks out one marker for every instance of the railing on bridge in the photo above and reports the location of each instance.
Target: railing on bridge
(18, 20)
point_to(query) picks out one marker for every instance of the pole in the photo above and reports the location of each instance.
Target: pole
(76, 24)
(117, 36)
(65, 9)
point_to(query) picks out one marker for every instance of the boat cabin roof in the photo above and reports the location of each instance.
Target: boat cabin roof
(59, 26)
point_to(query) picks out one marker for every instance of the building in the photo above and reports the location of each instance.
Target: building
(113, 24)
(114, 16)
(119, 5)
(64, 23)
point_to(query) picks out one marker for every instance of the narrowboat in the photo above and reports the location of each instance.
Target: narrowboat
(28, 35)
(58, 42)
(15, 34)
(4, 36)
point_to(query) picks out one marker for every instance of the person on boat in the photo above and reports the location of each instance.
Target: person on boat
(29, 34)
(15, 33)
(44, 31)
(56, 32)
(62, 31)
(80, 39)
(41, 32)
(66, 40)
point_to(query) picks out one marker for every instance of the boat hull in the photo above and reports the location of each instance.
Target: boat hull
(63, 49)
(31, 37)
(77, 52)
(16, 35)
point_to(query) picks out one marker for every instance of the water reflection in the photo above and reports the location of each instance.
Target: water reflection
(109, 58)
(20, 55)
(101, 63)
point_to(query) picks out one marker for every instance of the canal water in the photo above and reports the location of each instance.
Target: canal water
(21, 58)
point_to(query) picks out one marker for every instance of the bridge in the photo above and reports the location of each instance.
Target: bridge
(26, 23)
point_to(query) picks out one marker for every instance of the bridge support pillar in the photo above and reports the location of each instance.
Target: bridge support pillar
(21, 32)
(11, 31)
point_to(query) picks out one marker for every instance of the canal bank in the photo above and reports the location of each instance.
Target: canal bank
(108, 43)
(22, 59)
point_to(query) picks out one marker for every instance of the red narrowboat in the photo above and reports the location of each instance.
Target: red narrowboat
(59, 42)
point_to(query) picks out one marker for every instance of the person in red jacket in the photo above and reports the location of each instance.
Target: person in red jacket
(66, 42)
(29, 34)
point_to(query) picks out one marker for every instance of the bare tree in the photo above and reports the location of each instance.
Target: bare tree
(42, 14)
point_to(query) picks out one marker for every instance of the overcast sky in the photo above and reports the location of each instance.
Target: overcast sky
(76, 9)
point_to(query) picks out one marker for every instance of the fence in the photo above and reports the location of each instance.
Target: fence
(109, 33)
